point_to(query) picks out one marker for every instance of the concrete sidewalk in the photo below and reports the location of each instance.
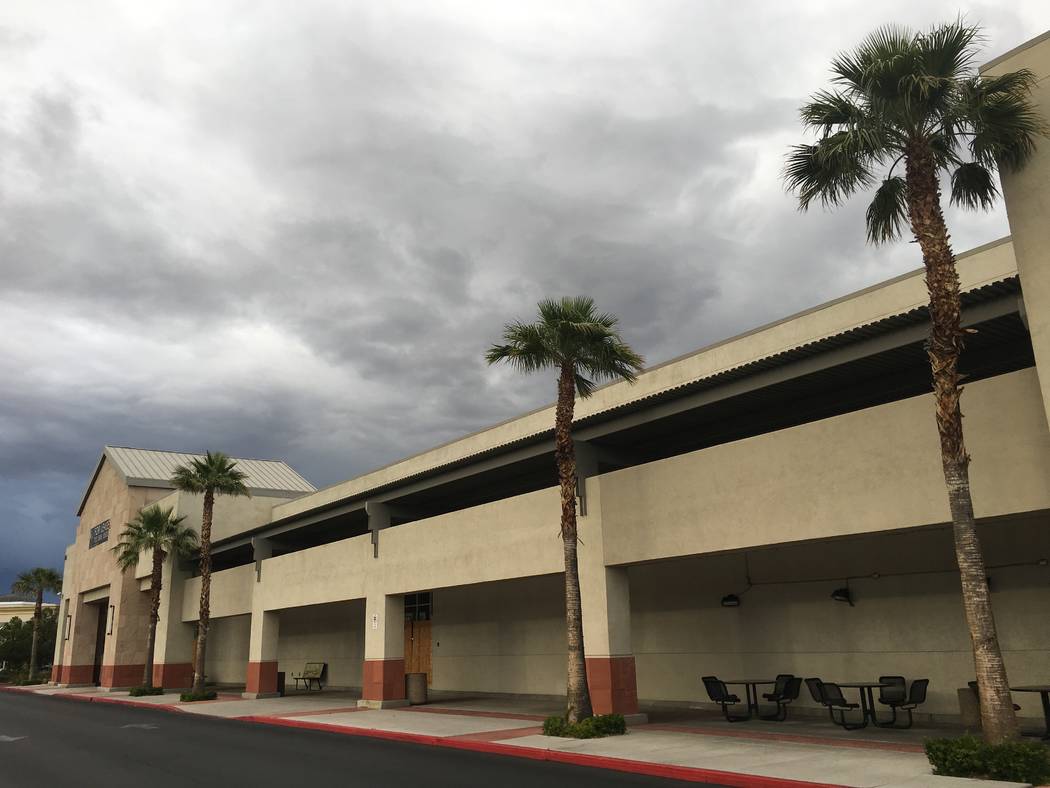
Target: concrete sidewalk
(702, 754)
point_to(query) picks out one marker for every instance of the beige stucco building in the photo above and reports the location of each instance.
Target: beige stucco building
(14, 606)
(777, 466)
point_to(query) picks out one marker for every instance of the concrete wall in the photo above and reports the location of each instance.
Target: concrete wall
(226, 659)
(505, 539)
(909, 621)
(332, 633)
(988, 263)
(1027, 196)
(871, 470)
(231, 593)
(501, 637)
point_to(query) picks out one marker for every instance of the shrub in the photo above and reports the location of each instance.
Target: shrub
(969, 756)
(189, 697)
(138, 692)
(590, 728)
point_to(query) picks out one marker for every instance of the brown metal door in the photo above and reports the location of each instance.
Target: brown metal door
(417, 648)
(100, 641)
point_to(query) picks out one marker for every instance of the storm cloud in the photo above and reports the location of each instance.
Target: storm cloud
(291, 230)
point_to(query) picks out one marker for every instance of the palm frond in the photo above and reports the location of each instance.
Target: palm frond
(569, 330)
(827, 109)
(215, 471)
(37, 580)
(825, 171)
(973, 186)
(887, 213)
(1004, 122)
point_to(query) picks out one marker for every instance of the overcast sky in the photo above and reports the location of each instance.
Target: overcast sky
(290, 230)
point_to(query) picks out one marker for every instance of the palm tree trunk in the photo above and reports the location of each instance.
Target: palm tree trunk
(944, 348)
(154, 616)
(578, 696)
(37, 612)
(205, 611)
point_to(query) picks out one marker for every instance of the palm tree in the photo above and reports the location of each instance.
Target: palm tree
(158, 532)
(584, 347)
(214, 474)
(36, 582)
(915, 98)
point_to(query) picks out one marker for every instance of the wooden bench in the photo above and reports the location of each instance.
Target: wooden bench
(312, 674)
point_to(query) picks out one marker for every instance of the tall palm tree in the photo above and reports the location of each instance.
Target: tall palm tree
(915, 98)
(36, 583)
(214, 474)
(158, 532)
(584, 347)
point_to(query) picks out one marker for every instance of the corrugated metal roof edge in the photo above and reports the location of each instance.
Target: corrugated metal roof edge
(164, 484)
(1005, 286)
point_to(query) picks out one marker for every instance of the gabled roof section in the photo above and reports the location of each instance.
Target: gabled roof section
(151, 468)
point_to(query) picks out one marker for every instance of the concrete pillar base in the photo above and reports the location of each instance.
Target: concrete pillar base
(384, 680)
(641, 718)
(612, 684)
(262, 679)
(393, 703)
(173, 675)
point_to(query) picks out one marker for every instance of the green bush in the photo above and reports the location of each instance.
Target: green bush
(969, 756)
(189, 697)
(138, 692)
(590, 728)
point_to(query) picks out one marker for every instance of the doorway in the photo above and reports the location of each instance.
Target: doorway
(418, 612)
(102, 614)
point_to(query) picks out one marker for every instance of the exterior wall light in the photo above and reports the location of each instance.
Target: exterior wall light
(842, 595)
(730, 600)
(112, 611)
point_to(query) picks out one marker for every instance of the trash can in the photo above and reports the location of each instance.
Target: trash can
(280, 683)
(416, 688)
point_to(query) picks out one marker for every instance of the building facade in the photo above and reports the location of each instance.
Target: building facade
(15, 606)
(774, 468)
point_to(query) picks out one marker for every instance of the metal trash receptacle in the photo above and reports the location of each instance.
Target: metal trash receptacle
(280, 683)
(416, 688)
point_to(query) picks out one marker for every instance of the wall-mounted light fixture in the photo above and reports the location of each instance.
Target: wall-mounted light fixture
(842, 595)
(733, 600)
(112, 610)
(68, 626)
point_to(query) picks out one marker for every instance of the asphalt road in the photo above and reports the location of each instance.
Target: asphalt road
(53, 743)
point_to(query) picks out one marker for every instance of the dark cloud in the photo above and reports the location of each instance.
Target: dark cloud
(294, 234)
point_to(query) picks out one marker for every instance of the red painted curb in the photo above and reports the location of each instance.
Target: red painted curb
(685, 773)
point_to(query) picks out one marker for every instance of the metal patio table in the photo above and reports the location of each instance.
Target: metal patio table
(1044, 694)
(867, 697)
(751, 690)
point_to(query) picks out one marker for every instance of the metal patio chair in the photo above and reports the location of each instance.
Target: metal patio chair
(893, 695)
(717, 691)
(836, 702)
(915, 697)
(782, 696)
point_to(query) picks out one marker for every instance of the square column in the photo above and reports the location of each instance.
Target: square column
(262, 655)
(173, 655)
(383, 676)
(606, 600)
(124, 659)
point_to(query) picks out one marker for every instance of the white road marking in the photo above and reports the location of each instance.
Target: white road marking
(146, 726)
(11, 738)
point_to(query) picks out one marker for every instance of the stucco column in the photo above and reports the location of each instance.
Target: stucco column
(383, 676)
(173, 655)
(1027, 195)
(64, 620)
(606, 598)
(125, 654)
(261, 680)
